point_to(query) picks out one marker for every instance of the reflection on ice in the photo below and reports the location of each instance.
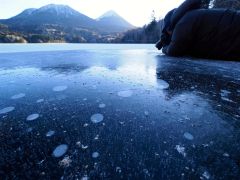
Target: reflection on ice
(6, 110)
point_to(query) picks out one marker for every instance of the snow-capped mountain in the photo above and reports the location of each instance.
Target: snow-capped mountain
(108, 14)
(31, 20)
(114, 22)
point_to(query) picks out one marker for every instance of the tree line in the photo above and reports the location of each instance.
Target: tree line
(151, 32)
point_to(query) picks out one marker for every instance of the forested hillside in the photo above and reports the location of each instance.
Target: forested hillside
(151, 33)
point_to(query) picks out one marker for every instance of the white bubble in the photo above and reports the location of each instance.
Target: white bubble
(127, 93)
(59, 88)
(181, 150)
(162, 84)
(18, 96)
(32, 117)
(40, 100)
(50, 133)
(95, 155)
(188, 136)
(97, 118)
(6, 110)
(102, 105)
(60, 150)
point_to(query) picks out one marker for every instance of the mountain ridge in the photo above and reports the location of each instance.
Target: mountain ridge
(68, 17)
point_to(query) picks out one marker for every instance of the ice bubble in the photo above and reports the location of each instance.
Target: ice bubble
(59, 88)
(162, 84)
(146, 113)
(6, 110)
(66, 162)
(188, 136)
(225, 93)
(102, 105)
(95, 155)
(118, 170)
(85, 178)
(50, 133)
(32, 117)
(181, 150)
(60, 150)
(18, 96)
(40, 100)
(206, 175)
(127, 93)
(97, 118)
(226, 99)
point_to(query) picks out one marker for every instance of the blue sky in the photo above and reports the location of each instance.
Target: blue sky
(137, 12)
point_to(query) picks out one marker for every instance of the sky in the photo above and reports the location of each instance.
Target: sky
(137, 12)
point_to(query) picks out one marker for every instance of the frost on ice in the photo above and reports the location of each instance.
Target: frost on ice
(95, 155)
(59, 88)
(18, 96)
(60, 150)
(97, 118)
(127, 93)
(6, 110)
(188, 136)
(181, 150)
(32, 117)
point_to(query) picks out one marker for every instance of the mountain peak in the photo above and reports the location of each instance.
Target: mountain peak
(58, 8)
(109, 13)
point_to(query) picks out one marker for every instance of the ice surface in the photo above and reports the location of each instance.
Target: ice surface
(127, 93)
(95, 155)
(188, 136)
(59, 88)
(18, 96)
(6, 110)
(97, 118)
(60, 150)
(32, 117)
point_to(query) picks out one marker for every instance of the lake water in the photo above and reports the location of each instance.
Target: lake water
(104, 111)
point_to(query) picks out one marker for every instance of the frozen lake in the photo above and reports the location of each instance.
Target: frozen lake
(98, 111)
